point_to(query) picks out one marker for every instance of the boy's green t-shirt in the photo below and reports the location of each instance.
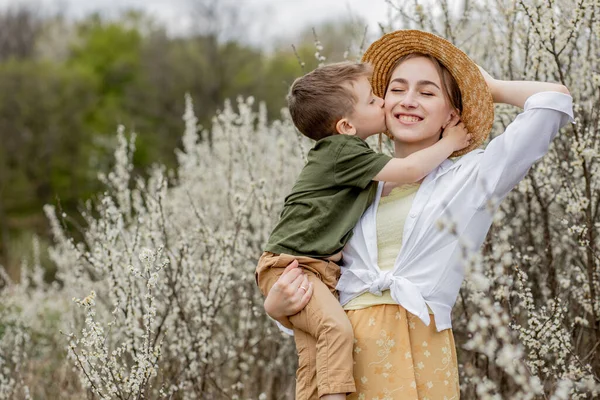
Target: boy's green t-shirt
(334, 189)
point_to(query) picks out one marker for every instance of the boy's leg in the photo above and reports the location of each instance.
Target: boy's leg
(269, 269)
(325, 320)
(306, 377)
(267, 272)
(306, 374)
(322, 328)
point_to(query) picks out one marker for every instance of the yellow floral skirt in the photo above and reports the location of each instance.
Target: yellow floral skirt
(397, 357)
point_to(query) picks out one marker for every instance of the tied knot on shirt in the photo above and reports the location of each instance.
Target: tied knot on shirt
(403, 291)
(381, 282)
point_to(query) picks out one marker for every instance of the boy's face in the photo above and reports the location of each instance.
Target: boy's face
(368, 116)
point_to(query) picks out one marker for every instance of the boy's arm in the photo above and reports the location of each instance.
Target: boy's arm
(419, 164)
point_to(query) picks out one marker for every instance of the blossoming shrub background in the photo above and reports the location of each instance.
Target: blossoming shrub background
(156, 296)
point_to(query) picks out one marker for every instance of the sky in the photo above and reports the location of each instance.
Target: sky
(270, 19)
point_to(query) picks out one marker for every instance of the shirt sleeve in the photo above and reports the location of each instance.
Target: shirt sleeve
(283, 329)
(508, 157)
(356, 164)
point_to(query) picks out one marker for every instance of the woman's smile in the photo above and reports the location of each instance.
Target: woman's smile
(408, 119)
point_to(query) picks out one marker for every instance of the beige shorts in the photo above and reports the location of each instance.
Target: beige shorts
(322, 331)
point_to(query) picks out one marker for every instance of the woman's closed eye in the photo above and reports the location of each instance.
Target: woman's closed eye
(401, 90)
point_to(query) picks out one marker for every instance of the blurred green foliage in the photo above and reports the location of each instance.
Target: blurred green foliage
(65, 86)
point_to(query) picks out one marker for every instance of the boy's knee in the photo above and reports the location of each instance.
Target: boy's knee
(341, 325)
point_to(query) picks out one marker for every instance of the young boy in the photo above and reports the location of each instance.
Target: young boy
(335, 106)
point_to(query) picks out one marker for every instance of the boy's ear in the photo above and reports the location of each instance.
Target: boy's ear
(345, 127)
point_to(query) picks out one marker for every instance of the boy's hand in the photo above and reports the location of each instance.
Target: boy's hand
(456, 132)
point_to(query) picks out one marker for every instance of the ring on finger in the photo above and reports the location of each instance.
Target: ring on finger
(303, 288)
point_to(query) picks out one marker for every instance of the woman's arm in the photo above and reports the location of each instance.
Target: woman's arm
(508, 157)
(287, 296)
(516, 93)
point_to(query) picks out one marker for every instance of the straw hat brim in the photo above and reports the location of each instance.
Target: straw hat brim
(477, 102)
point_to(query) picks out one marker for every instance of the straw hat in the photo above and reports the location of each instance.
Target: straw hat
(477, 102)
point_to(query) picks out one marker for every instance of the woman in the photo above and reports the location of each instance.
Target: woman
(403, 266)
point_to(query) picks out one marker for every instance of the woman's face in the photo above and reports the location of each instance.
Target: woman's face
(415, 105)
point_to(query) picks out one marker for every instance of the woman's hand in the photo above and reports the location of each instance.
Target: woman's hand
(289, 295)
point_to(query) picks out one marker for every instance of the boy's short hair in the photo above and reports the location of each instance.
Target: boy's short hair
(319, 99)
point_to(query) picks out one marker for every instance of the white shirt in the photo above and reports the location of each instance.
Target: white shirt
(428, 269)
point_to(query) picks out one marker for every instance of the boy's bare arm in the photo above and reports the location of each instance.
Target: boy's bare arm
(417, 165)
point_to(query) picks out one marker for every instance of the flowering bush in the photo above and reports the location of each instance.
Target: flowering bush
(157, 297)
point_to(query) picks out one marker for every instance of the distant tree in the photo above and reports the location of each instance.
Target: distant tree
(19, 30)
(45, 149)
(341, 39)
(110, 52)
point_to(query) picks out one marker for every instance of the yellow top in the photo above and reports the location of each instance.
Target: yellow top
(391, 215)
